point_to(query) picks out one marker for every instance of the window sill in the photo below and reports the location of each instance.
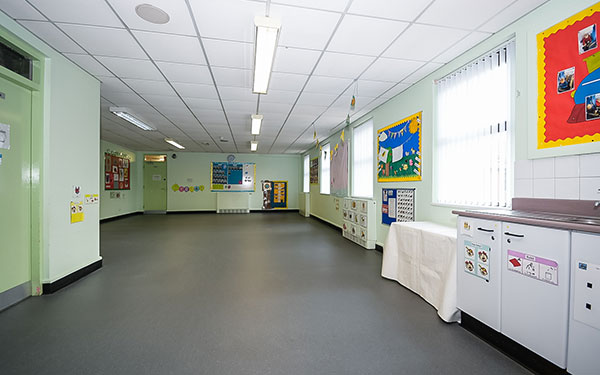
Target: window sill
(465, 207)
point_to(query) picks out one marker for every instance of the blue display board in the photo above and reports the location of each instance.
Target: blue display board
(226, 176)
(388, 202)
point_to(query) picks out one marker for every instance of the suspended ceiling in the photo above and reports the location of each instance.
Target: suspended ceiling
(191, 78)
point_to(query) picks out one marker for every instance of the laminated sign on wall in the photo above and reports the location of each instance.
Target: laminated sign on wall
(477, 260)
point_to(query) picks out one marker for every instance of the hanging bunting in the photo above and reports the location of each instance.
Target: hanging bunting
(352, 103)
(342, 136)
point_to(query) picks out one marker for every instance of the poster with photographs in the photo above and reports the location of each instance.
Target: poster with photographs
(116, 173)
(314, 171)
(569, 82)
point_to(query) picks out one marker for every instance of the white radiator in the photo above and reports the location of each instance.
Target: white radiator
(233, 203)
(304, 200)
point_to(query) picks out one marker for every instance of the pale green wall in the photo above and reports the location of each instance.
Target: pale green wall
(193, 168)
(70, 147)
(420, 97)
(130, 201)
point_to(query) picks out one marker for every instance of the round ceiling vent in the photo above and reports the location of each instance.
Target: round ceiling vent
(152, 14)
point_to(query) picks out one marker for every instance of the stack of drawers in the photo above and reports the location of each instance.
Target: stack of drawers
(359, 221)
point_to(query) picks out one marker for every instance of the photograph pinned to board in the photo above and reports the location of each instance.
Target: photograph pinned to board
(399, 150)
(567, 55)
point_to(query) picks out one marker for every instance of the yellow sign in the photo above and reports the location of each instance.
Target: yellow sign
(76, 212)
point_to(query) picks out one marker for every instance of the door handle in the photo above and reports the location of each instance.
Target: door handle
(485, 230)
(514, 235)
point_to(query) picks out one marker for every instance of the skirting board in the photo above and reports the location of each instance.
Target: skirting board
(71, 278)
(15, 295)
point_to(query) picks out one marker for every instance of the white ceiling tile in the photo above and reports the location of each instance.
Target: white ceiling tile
(295, 60)
(420, 39)
(112, 84)
(53, 36)
(473, 14)
(233, 77)
(131, 68)
(468, 42)
(281, 109)
(229, 54)
(315, 99)
(391, 93)
(171, 48)
(365, 35)
(422, 72)
(295, 29)
(391, 70)
(90, 64)
(89, 12)
(180, 21)
(208, 117)
(185, 73)
(143, 86)
(370, 89)
(121, 99)
(333, 5)
(342, 65)
(327, 85)
(203, 104)
(399, 10)
(239, 106)
(104, 41)
(217, 19)
(515, 11)
(20, 10)
(238, 93)
(287, 81)
(164, 101)
(279, 96)
(194, 90)
(310, 110)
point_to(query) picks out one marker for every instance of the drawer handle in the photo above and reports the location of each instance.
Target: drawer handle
(514, 235)
(485, 230)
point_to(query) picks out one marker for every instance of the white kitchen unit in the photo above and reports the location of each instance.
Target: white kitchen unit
(479, 269)
(535, 289)
(359, 221)
(584, 323)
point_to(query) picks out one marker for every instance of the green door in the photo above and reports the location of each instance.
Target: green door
(15, 186)
(155, 186)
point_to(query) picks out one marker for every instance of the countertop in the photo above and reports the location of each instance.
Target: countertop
(576, 215)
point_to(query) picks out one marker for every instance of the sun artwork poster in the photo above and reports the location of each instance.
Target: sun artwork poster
(569, 82)
(399, 150)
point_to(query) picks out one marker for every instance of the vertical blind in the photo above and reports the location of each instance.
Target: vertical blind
(306, 170)
(362, 160)
(324, 181)
(473, 162)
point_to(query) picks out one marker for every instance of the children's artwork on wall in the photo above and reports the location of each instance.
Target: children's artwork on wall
(187, 189)
(77, 214)
(569, 82)
(116, 173)
(339, 169)
(234, 177)
(399, 150)
(274, 194)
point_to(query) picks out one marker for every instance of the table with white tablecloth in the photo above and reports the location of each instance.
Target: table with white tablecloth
(422, 257)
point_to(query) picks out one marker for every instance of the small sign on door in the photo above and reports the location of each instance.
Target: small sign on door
(156, 177)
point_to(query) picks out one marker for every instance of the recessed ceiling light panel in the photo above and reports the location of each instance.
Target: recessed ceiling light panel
(152, 14)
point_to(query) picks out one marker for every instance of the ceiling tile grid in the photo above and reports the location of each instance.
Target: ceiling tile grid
(191, 78)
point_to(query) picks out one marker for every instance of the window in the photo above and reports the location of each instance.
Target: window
(306, 188)
(324, 181)
(473, 138)
(362, 160)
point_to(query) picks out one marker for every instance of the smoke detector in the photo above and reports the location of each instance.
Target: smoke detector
(152, 14)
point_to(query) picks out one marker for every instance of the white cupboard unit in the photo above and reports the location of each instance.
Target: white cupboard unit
(584, 323)
(535, 289)
(359, 221)
(479, 269)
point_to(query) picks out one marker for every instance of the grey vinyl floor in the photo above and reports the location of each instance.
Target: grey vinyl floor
(261, 293)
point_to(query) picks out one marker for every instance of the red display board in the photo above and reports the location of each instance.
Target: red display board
(569, 81)
(116, 173)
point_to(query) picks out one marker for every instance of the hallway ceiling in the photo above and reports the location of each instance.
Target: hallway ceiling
(191, 78)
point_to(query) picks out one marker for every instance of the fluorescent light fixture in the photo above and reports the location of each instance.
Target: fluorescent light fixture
(253, 145)
(172, 142)
(267, 33)
(125, 114)
(256, 122)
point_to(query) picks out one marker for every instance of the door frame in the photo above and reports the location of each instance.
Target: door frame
(37, 88)
(144, 183)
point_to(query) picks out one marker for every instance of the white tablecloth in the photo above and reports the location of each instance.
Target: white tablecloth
(422, 257)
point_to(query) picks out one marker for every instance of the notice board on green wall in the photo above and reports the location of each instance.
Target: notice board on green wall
(236, 177)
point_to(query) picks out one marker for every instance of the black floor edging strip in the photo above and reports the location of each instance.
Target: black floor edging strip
(71, 278)
(109, 219)
(514, 350)
(379, 248)
(327, 223)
